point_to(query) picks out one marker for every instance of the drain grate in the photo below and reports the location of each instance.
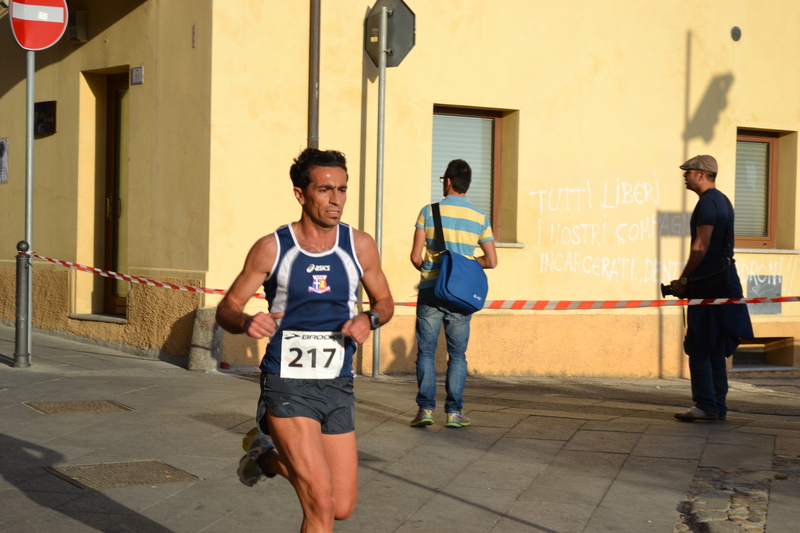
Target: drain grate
(115, 475)
(88, 406)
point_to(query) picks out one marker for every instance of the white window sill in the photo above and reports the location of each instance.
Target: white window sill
(773, 251)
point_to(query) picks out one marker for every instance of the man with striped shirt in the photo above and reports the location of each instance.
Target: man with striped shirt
(464, 227)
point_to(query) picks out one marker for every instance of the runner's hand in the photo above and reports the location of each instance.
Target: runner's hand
(358, 328)
(262, 325)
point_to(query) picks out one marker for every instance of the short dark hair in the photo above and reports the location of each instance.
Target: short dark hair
(459, 174)
(711, 175)
(300, 172)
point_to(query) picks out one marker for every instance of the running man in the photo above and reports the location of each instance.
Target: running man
(310, 270)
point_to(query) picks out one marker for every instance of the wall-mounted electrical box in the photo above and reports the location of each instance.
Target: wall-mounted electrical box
(77, 27)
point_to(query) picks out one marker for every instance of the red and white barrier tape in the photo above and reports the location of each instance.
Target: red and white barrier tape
(519, 305)
(133, 279)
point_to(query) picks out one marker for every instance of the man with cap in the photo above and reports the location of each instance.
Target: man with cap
(713, 331)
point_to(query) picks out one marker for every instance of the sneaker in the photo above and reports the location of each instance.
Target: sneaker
(457, 420)
(249, 470)
(424, 418)
(249, 438)
(695, 413)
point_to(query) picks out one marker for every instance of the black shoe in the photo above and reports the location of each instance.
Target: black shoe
(696, 413)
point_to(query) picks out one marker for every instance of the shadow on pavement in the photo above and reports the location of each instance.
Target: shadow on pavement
(22, 466)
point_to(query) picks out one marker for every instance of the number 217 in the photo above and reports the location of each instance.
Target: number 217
(313, 353)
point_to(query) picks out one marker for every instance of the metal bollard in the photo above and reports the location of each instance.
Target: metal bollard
(22, 356)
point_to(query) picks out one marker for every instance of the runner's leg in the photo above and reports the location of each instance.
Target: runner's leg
(342, 456)
(304, 453)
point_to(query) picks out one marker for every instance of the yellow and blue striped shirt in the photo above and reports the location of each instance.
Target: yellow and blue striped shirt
(464, 227)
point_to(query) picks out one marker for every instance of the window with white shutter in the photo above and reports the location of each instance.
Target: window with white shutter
(756, 189)
(473, 135)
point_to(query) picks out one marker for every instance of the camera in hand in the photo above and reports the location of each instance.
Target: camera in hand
(666, 290)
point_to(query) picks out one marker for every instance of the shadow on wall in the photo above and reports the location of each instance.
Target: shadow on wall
(708, 112)
(22, 464)
(404, 357)
(179, 338)
(102, 15)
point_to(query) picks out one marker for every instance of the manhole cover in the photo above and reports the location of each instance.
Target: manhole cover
(113, 475)
(89, 406)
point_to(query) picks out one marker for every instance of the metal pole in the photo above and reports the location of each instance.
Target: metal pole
(382, 41)
(313, 75)
(31, 73)
(22, 356)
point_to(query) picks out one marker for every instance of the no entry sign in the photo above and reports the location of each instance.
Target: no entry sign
(38, 24)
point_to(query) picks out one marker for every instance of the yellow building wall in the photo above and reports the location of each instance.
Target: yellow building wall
(602, 100)
(168, 164)
(608, 98)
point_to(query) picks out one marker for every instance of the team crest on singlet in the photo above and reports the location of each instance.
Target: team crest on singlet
(320, 284)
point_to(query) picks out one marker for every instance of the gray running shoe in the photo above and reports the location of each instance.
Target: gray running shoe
(249, 470)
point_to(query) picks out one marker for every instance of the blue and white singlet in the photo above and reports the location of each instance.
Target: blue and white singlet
(318, 293)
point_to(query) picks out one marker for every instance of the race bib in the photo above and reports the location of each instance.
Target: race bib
(312, 354)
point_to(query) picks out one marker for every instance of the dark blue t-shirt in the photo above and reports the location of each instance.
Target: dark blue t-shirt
(713, 208)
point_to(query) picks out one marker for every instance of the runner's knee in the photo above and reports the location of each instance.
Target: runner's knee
(344, 507)
(320, 503)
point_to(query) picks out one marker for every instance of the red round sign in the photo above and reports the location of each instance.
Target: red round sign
(38, 24)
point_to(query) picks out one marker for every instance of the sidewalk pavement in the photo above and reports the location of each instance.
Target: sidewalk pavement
(152, 447)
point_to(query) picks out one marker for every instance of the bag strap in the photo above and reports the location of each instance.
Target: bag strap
(437, 224)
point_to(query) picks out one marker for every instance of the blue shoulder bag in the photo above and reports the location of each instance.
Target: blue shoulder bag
(462, 281)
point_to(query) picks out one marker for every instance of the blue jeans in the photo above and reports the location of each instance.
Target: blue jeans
(431, 313)
(710, 380)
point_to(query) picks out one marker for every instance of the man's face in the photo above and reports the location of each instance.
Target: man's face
(692, 179)
(324, 198)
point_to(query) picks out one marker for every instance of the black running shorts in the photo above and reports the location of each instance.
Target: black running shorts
(330, 402)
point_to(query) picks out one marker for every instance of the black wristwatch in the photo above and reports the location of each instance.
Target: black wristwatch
(374, 319)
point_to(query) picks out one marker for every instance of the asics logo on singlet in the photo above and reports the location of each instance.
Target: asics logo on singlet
(318, 268)
(334, 336)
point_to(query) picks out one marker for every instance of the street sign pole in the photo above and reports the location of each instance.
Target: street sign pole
(29, 101)
(386, 44)
(22, 356)
(382, 33)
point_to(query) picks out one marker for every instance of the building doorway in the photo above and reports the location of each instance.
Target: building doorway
(115, 292)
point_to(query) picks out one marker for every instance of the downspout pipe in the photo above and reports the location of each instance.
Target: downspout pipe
(313, 75)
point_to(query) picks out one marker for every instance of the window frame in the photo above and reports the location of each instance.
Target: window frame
(771, 139)
(497, 153)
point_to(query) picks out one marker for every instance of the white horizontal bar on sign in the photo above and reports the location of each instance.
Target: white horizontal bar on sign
(40, 13)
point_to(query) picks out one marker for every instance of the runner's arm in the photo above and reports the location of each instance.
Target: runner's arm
(375, 285)
(230, 311)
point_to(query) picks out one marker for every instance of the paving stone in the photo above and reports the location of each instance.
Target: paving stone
(783, 506)
(602, 441)
(535, 427)
(557, 488)
(574, 463)
(723, 527)
(709, 516)
(711, 505)
(669, 447)
(737, 456)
